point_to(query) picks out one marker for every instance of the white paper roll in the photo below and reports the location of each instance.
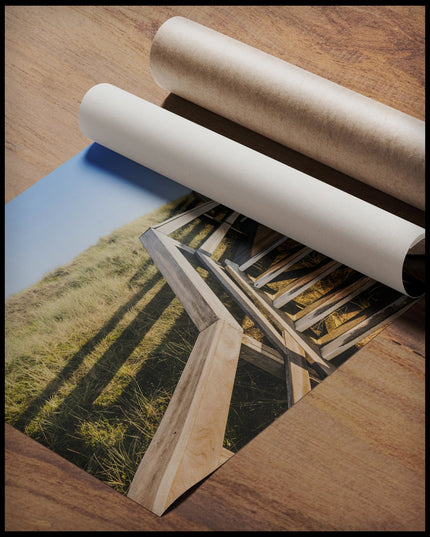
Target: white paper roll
(347, 229)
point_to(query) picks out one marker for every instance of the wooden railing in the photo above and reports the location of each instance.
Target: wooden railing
(188, 444)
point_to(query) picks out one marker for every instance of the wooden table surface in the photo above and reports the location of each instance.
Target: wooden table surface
(350, 455)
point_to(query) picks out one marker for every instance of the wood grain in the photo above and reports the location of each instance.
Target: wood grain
(44, 492)
(188, 443)
(339, 459)
(349, 455)
(298, 371)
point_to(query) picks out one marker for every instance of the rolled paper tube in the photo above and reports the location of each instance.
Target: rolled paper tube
(347, 229)
(365, 139)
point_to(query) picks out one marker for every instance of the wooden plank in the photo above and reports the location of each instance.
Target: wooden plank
(294, 354)
(187, 445)
(180, 220)
(314, 358)
(266, 358)
(199, 301)
(297, 287)
(232, 217)
(180, 454)
(354, 333)
(244, 248)
(279, 267)
(297, 368)
(255, 314)
(373, 311)
(210, 244)
(262, 356)
(182, 247)
(261, 253)
(263, 236)
(329, 303)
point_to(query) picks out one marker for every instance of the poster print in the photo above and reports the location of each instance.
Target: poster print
(160, 350)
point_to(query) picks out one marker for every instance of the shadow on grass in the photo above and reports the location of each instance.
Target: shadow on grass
(72, 365)
(160, 367)
(75, 361)
(79, 405)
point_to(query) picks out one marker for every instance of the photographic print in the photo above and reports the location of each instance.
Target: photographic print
(168, 330)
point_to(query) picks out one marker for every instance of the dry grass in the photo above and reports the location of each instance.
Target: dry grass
(95, 349)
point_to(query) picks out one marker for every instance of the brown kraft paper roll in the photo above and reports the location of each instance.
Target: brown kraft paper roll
(354, 134)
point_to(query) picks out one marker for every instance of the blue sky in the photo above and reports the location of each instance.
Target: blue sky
(88, 197)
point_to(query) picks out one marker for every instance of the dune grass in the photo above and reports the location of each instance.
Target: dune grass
(94, 351)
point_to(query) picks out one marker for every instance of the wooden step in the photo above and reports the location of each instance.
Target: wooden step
(211, 243)
(175, 222)
(297, 287)
(353, 333)
(327, 304)
(279, 267)
(261, 253)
